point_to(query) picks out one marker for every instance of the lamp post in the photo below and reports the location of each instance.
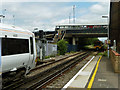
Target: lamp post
(1, 16)
(69, 17)
(4, 14)
(108, 32)
(13, 19)
(73, 14)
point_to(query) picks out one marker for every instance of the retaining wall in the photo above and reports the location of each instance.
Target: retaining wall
(115, 59)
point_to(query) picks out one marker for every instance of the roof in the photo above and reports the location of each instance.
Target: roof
(12, 27)
(79, 24)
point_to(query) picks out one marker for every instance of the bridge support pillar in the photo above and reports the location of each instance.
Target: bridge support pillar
(73, 41)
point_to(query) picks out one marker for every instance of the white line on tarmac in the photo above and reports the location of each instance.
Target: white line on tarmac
(66, 86)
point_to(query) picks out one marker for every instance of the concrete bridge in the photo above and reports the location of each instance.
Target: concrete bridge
(75, 31)
(91, 32)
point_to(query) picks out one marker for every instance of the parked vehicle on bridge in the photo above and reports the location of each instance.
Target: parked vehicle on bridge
(18, 50)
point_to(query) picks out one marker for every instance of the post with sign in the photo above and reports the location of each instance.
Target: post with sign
(108, 32)
(108, 43)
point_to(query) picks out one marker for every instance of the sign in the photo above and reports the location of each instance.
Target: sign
(109, 42)
(104, 16)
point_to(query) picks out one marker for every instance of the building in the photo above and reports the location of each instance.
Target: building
(115, 34)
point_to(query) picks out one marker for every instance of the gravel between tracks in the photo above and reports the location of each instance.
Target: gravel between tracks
(52, 65)
(64, 78)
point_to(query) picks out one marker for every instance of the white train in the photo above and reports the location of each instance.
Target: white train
(18, 50)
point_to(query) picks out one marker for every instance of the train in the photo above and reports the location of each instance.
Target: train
(18, 48)
(98, 45)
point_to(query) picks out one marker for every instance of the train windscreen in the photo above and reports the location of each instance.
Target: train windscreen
(11, 46)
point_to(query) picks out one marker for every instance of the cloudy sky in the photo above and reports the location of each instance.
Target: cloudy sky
(46, 14)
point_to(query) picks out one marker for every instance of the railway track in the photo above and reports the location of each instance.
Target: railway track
(53, 62)
(39, 80)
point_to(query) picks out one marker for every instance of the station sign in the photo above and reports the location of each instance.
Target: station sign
(107, 42)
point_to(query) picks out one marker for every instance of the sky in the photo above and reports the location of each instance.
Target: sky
(46, 14)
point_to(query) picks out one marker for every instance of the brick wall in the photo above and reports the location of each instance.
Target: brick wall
(115, 59)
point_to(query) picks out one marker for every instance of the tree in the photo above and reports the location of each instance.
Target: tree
(90, 41)
(62, 47)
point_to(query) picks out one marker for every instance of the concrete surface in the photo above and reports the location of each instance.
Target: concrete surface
(105, 76)
(81, 80)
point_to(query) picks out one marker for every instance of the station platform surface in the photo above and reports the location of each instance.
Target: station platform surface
(98, 74)
(105, 76)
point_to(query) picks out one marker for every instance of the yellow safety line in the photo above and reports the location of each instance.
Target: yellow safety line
(93, 76)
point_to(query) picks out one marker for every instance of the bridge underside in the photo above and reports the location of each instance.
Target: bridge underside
(87, 35)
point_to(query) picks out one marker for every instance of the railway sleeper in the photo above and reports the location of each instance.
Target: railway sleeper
(12, 76)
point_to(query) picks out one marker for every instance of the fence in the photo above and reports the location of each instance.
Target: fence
(52, 49)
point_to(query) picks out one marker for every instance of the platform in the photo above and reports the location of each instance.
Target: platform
(105, 76)
(97, 74)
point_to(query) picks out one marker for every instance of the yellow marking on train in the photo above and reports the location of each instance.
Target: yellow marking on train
(93, 76)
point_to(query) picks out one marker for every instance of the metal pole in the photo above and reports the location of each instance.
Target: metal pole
(3, 14)
(108, 32)
(0, 54)
(47, 48)
(41, 53)
(73, 14)
(1, 17)
(108, 35)
(69, 17)
(13, 19)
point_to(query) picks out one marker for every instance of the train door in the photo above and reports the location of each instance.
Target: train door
(31, 58)
(0, 67)
(0, 57)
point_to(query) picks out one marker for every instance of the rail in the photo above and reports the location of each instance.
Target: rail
(23, 81)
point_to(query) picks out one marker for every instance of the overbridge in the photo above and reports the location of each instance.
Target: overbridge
(91, 32)
(77, 30)
(72, 32)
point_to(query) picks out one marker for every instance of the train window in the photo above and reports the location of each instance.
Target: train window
(12, 46)
(31, 43)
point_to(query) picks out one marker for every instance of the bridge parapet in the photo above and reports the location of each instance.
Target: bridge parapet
(78, 26)
(90, 30)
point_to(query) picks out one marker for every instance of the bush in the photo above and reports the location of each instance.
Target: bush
(47, 57)
(103, 53)
(72, 51)
(62, 47)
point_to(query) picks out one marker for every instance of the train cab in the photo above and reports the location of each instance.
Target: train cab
(18, 49)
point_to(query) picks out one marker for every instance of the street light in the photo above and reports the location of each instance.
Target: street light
(108, 32)
(4, 14)
(73, 14)
(1, 16)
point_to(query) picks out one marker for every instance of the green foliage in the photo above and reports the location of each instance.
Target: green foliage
(89, 46)
(62, 47)
(72, 51)
(58, 54)
(103, 53)
(38, 59)
(90, 41)
(49, 56)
